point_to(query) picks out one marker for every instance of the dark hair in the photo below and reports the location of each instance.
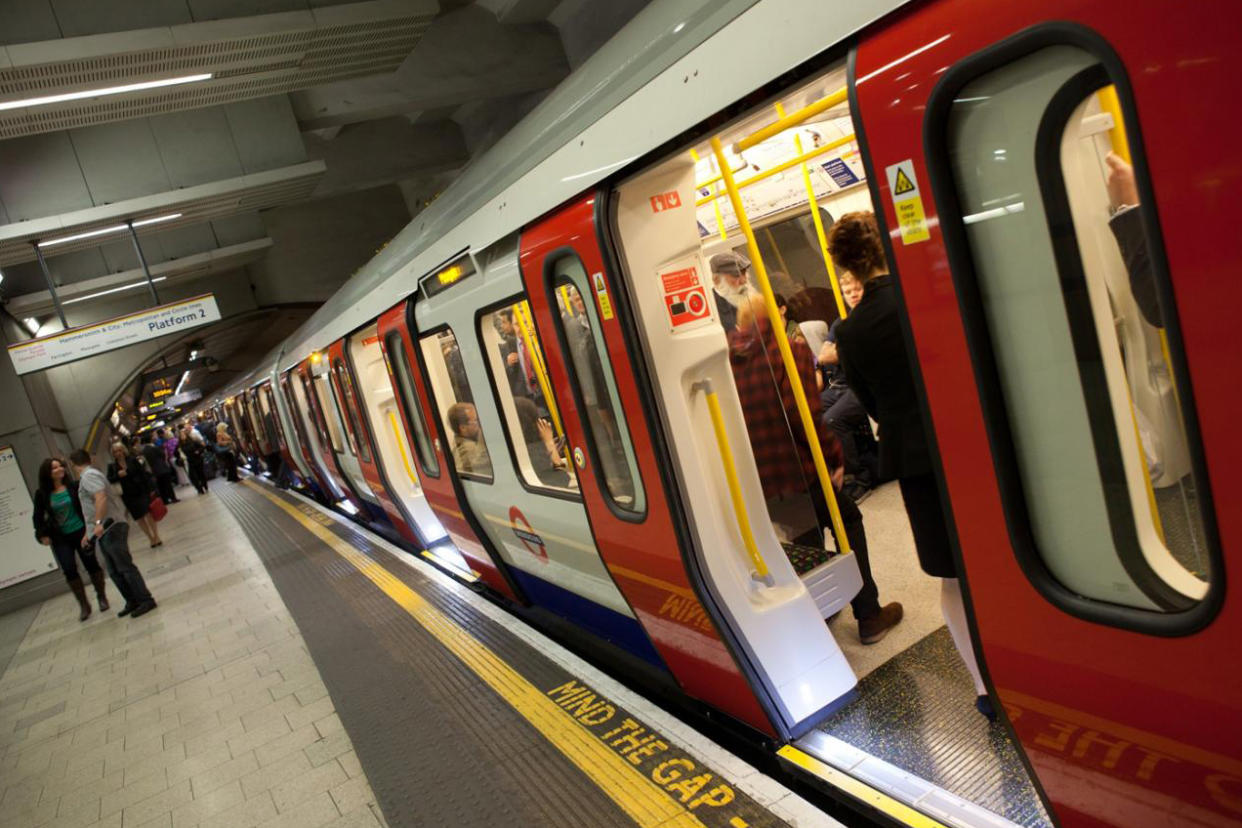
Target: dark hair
(46, 484)
(528, 418)
(80, 457)
(146, 438)
(458, 415)
(855, 245)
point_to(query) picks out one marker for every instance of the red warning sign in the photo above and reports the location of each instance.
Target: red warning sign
(684, 296)
(665, 201)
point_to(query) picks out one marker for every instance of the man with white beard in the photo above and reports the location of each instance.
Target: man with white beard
(730, 286)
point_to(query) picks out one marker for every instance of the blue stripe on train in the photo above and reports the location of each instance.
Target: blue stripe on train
(608, 624)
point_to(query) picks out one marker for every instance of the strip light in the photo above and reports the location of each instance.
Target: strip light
(107, 90)
(103, 231)
(111, 290)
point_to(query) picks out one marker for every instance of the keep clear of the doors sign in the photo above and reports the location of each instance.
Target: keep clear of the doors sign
(685, 296)
(903, 188)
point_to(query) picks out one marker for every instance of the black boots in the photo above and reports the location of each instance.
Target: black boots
(79, 592)
(97, 578)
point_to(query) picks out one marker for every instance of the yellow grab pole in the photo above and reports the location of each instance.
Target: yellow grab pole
(782, 343)
(792, 119)
(779, 168)
(715, 200)
(818, 220)
(761, 571)
(545, 387)
(405, 458)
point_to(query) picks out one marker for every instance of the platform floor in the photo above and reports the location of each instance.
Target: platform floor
(300, 672)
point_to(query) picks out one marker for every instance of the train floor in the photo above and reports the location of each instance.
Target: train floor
(300, 672)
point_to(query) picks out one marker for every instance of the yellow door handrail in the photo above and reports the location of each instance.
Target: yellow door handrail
(405, 457)
(541, 374)
(782, 343)
(760, 571)
(792, 119)
(800, 158)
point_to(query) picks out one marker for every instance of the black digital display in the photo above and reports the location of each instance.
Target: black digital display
(445, 278)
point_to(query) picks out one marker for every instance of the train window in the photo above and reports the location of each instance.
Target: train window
(395, 351)
(331, 415)
(458, 416)
(353, 427)
(531, 418)
(596, 388)
(1084, 398)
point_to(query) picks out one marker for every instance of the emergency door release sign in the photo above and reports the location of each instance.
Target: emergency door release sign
(685, 297)
(101, 337)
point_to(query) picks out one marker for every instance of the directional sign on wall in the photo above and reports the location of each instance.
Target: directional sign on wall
(101, 337)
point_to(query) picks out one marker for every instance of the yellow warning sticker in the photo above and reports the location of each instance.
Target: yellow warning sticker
(601, 296)
(903, 185)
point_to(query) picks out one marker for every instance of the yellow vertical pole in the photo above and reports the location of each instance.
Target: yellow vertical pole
(782, 343)
(761, 571)
(818, 221)
(532, 350)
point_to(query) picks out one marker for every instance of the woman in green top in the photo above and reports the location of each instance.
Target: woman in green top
(59, 524)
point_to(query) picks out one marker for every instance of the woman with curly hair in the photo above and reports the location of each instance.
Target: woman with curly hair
(58, 523)
(872, 351)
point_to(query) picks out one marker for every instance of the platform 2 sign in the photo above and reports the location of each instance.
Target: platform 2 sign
(101, 337)
(21, 556)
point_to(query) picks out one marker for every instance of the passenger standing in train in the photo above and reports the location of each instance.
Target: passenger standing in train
(158, 464)
(194, 449)
(730, 285)
(226, 450)
(768, 408)
(107, 528)
(590, 374)
(1126, 222)
(60, 524)
(843, 411)
(513, 352)
(137, 486)
(873, 354)
(469, 454)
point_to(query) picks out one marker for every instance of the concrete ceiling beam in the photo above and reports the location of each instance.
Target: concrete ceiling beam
(368, 155)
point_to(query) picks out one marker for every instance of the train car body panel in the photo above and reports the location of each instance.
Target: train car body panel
(317, 436)
(1129, 718)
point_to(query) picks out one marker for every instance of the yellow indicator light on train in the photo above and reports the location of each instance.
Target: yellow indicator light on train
(450, 275)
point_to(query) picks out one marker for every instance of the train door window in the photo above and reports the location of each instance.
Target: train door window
(331, 415)
(395, 350)
(357, 440)
(531, 418)
(458, 416)
(596, 389)
(1064, 300)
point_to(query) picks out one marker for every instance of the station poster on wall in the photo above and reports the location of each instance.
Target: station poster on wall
(110, 334)
(21, 556)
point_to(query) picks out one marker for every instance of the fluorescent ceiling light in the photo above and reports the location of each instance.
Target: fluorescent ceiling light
(111, 290)
(31, 324)
(99, 93)
(103, 231)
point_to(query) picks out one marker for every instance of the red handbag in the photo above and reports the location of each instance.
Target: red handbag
(157, 508)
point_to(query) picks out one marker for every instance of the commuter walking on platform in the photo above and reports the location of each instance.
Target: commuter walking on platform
(226, 450)
(137, 485)
(59, 523)
(157, 462)
(194, 450)
(872, 351)
(106, 527)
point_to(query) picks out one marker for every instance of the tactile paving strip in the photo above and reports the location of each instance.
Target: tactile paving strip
(438, 745)
(917, 712)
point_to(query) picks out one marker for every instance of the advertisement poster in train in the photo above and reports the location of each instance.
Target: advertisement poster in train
(23, 557)
(831, 172)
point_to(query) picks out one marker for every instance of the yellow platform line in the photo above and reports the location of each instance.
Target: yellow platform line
(641, 799)
(860, 790)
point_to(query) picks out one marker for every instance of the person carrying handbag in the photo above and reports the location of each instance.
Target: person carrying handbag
(137, 485)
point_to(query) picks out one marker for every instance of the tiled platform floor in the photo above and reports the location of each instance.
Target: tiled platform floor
(207, 711)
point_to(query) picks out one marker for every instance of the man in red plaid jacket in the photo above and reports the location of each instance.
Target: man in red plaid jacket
(781, 452)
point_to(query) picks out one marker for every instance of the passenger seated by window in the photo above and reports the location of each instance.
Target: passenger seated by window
(768, 408)
(1126, 222)
(547, 455)
(843, 412)
(469, 453)
(730, 285)
(872, 350)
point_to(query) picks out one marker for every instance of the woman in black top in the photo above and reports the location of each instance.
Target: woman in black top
(137, 486)
(873, 354)
(58, 523)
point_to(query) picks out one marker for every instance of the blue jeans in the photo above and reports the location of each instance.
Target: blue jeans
(114, 546)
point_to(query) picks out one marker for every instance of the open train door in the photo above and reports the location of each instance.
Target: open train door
(397, 340)
(1079, 359)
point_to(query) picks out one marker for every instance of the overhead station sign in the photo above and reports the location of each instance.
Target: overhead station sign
(101, 337)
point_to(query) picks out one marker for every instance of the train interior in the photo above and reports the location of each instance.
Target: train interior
(770, 538)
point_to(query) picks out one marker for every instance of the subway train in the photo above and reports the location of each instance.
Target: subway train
(531, 386)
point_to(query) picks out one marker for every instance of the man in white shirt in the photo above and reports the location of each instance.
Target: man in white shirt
(106, 525)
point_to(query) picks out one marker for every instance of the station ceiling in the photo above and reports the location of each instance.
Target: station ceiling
(268, 144)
